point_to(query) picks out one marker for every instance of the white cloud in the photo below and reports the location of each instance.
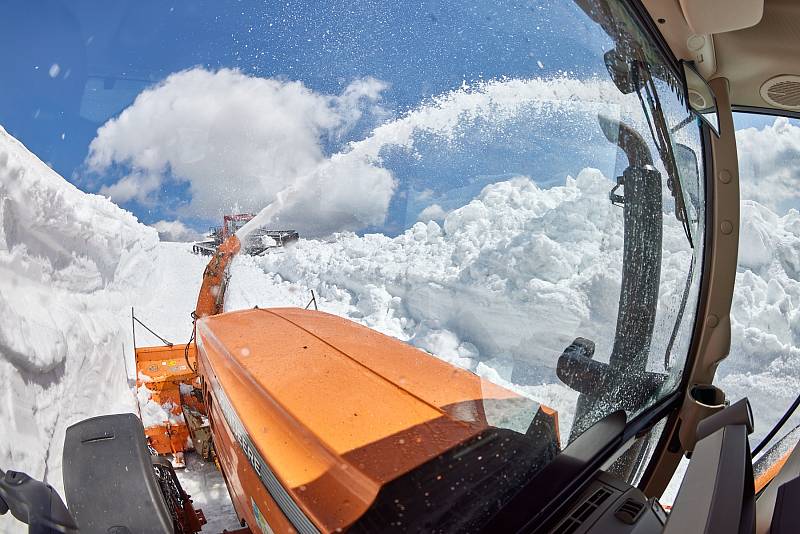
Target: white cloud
(769, 163)
(175, 231)
(434, 212)
(238, 140)
(135, 186)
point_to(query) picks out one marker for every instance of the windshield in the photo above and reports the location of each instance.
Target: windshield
(513, 188)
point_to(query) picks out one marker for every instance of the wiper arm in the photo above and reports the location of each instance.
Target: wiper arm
(660, 133)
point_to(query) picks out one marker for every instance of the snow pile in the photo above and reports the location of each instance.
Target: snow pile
(764, 364)
(502, 287)
(70, 264)
(153, 413)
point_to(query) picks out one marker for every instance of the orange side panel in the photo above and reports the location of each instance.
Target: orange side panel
(244, 486)
(770, 473)
(162, 370)
(168, 438)
(163, 364)
(552, 415)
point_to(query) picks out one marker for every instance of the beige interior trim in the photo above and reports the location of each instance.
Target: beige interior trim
(701, 48)
(719, 276)
(718, 16)
(747, 57)
(669, 19)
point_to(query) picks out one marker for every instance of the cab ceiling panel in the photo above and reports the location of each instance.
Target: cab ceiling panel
(761, 62)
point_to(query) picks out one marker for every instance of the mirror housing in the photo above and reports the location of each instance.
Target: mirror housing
(621, 72)
(689, 170)
(699, 97)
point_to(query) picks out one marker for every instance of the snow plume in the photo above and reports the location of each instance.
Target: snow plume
(237, 140)
(496, 102)
(446, 117)
(768, 159)
(69, 266)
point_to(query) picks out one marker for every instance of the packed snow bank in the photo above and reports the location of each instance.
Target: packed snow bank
(764, 364)
(69, 266)
(505, 284)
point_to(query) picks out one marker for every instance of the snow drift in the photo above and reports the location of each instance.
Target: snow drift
(764, 363)
(69, 265)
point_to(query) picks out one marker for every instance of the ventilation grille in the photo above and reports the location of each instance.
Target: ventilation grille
(630, 511)
(782, 91)
(697, 100)
(582, 512)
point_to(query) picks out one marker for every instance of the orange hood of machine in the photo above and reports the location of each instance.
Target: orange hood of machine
(335, 408)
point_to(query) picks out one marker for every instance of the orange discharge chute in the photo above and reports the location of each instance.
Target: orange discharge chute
(211, 299)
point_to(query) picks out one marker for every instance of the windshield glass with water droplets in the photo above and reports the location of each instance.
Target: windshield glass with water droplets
(513, 189)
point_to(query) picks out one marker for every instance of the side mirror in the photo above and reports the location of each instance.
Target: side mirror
(624, 73)
(578, 369)
(700, 97)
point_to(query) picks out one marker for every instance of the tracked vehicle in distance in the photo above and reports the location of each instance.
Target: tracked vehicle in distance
(259, 240)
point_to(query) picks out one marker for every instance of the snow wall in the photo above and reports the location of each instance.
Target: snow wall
(70, 265)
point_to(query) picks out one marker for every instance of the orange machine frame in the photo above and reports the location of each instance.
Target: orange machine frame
(332, 413)
(163, 369)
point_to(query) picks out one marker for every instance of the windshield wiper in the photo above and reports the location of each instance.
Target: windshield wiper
(625, 64)
(660, 133)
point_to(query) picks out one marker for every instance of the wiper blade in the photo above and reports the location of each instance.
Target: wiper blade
(660, 133)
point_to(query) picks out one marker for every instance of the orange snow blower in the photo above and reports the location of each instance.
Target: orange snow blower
(320, 424)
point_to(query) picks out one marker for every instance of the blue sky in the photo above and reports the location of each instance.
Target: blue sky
(108, 52)
(71, 66)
